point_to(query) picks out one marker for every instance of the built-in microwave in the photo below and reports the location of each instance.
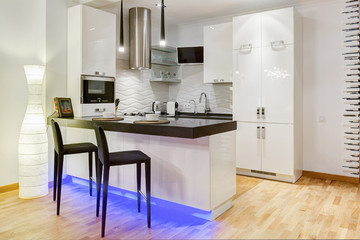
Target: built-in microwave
(97, 89)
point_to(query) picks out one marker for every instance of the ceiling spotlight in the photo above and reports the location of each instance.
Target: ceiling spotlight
(162, 30)
(121, 39)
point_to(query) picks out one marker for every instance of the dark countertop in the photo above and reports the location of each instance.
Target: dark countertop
(178, 127)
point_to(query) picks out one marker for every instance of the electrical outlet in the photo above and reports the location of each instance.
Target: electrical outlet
(187, 105)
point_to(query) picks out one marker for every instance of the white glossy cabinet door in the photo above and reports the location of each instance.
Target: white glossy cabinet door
(246, 85)
(218, 53)
(98, 42)
(248, 146)
(278, 84)
(247, 30)
(278, 25)
(278, 148)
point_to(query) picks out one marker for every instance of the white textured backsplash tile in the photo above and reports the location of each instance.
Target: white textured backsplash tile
(219, 95)
(137, 93)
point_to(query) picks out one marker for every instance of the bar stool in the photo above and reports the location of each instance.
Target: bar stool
(60, 150)
(108, 160)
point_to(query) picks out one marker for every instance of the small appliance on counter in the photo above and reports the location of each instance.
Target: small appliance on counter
(171, 108)
(156, 107)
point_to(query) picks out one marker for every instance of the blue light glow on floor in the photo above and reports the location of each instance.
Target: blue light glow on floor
(161, 210)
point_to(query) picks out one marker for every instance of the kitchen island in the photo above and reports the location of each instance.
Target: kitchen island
(193, 160)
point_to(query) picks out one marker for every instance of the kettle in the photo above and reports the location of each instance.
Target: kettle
(156, 107)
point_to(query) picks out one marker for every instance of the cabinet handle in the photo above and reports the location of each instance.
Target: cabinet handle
(258, 113)
(263, 132)
(263, 112)
(258, 133)
(246, 47)
(277, 43)
(100, 73)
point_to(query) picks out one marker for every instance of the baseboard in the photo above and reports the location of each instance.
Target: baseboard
(15, 186)
(8, 188)
(331, 177)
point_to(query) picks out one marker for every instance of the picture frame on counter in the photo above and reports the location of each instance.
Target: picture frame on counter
(63, 107)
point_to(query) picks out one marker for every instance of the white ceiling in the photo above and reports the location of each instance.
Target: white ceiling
(184, 11)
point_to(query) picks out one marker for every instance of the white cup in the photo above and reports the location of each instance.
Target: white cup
(152, 117)
(108, 114)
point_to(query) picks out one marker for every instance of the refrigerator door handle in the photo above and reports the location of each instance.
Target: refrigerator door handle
(263, 132)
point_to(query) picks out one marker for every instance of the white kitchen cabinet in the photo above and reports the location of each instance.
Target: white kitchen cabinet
(264, 29)
(247, 84)
(277, 84)
(218, 53)
(98, 42)
(260, 147)
(91, 41)
(277, 27)
(267, 95)
(247, 31)
(249, 146)
(277, 148)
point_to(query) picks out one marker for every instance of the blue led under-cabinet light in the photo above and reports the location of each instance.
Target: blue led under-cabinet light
(165, 212)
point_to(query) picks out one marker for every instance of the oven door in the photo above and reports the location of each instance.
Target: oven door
(97, 89)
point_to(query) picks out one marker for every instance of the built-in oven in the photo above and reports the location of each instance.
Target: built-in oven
(97, 89)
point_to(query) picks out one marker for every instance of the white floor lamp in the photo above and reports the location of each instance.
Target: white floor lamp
(33, 141)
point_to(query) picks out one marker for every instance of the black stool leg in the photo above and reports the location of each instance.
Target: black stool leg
(55, 174)
(105, 193)
(98, 185)
(148, 194)
(60, 169)
(90, 172)
(138, 181)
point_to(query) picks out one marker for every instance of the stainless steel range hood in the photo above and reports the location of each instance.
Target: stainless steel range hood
(140, 38)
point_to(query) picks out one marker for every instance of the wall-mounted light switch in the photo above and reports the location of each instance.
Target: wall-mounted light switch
(322, 119)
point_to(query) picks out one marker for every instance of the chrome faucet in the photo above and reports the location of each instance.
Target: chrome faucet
(207, 107)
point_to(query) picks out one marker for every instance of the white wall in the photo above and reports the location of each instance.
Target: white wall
(56, 62)
(56, 51)
(323, 88)
(22, 27)
(33, 32)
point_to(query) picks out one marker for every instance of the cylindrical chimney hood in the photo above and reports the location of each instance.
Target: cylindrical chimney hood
(140, 38)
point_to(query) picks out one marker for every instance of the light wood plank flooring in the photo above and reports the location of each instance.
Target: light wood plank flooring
(311, 208)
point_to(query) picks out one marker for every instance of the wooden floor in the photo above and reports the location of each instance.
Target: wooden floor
(311, 208)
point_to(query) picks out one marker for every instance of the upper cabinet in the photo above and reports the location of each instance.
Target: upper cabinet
(91, 41)
(247, 31)
(277, 27)
(218, 53)
(272, 28)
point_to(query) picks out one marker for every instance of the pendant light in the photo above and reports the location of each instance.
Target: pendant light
(121, 40)
(162, 33)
